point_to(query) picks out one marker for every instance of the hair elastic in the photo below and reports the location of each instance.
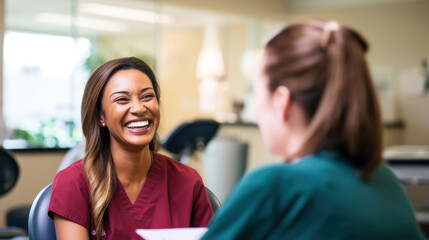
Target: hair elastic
(329, 27)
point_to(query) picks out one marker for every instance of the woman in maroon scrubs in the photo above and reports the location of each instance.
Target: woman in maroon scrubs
(122, 184)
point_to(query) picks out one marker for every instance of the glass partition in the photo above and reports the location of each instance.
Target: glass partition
(52, 47)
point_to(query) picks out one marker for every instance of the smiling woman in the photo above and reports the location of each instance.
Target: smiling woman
(122, 183)
(130, 109)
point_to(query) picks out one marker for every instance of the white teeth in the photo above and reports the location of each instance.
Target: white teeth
(138, 124)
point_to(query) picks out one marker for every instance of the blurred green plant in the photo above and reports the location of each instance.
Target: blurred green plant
(51, 134)
(426, 76)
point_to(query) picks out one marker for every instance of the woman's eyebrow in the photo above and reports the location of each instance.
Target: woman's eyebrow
(119, 92)
(145, 89)
(125, 92)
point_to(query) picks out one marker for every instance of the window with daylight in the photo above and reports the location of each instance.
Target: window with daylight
(43, 82)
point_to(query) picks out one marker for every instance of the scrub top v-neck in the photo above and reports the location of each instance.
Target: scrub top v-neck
(173, 196)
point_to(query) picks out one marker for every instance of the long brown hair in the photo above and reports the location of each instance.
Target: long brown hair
(323, 64)
(98, 164)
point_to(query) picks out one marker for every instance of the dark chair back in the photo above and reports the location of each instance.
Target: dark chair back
(9, 171)
(189, 136)
(9, 174)
(40, 225)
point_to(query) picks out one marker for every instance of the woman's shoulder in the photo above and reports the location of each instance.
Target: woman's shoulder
(283, 170)
(70, 194)
(307, 171)
(266, 177)
(73, 173)
(74, 168)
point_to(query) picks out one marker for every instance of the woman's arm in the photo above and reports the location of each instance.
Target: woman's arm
(68, 230)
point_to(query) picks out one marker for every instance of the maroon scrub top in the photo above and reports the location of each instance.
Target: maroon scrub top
(173, 196)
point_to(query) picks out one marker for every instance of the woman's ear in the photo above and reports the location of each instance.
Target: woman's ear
(282, 100)
(102, 121)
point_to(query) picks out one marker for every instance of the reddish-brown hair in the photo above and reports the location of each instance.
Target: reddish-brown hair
(326, 71)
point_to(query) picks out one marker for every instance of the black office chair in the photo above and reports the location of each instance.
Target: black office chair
(188, 137)
(9, 171)
(9, 174)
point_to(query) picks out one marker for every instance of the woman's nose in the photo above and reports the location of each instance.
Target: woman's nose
(137, 107)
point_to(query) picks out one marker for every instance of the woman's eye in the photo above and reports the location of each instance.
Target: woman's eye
(147, 97)
(120, 100)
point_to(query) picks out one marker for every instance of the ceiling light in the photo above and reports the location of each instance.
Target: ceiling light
(81, 22)
(124, 13)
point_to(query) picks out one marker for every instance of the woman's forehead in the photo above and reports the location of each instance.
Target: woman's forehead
(128, 79)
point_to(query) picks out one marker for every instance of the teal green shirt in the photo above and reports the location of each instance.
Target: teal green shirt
(320, 197)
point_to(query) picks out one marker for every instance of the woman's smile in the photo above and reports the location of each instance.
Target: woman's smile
(138, 126)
